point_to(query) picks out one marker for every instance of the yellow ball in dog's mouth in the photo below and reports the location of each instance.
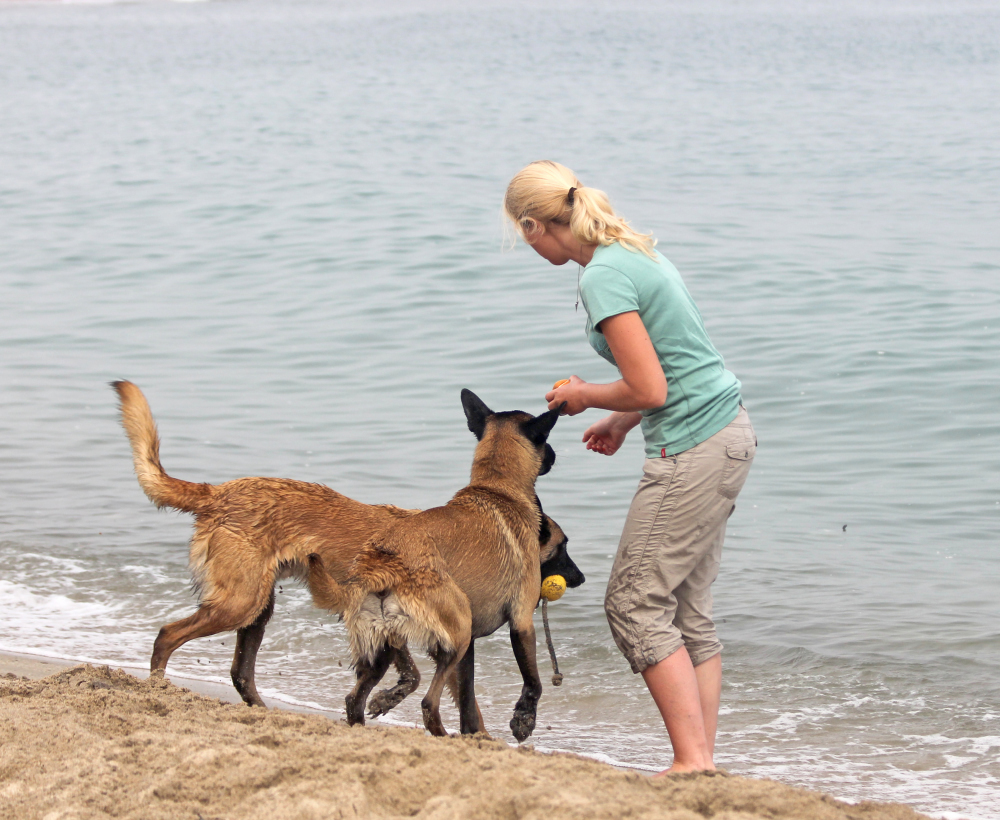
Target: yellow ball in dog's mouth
(553, 587)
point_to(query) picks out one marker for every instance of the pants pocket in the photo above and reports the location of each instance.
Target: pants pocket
(739, 457)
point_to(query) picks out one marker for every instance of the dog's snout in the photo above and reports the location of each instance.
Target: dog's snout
(562, 564)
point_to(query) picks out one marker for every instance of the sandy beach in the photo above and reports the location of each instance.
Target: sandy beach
(90, 742)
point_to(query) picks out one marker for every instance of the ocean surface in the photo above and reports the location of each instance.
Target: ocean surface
(282, 220)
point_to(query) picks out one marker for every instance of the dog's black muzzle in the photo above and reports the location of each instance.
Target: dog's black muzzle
(562, 564)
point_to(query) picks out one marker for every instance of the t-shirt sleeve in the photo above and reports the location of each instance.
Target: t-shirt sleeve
(607, 292)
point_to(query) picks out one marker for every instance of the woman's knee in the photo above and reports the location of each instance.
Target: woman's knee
(702, 649)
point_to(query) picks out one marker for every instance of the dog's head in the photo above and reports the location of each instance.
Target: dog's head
(554, 556)
(534, 429)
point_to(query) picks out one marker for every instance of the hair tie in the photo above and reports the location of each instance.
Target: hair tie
(569, 197)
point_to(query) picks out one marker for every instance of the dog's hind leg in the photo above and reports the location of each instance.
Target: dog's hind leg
(523, 643)
(470, 716)
(454, 614)
(248, 640)
(368, 673)
(454, 689)
(235, 589)
(206, 621)
(447, 660)
(409, 680)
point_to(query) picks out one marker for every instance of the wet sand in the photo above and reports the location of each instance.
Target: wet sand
(93, 742)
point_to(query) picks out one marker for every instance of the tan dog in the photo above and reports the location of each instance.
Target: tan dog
(252, 532)
(448, 575)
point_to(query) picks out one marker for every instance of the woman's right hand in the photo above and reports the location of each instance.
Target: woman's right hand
(607, 435)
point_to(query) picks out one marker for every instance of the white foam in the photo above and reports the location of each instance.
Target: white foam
(982, 745)
(600, 758)
(954, 815)
(29, 611)
(282, 697)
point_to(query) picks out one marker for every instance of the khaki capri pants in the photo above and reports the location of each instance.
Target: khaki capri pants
(659, 595)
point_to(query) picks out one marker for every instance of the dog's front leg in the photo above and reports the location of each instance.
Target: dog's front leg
(523, 643)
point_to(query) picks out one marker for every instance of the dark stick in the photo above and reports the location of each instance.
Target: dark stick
(557, 677)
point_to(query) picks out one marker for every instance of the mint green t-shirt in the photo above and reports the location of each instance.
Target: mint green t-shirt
(702, 396)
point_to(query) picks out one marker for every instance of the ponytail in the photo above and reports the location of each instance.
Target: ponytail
(546, 191)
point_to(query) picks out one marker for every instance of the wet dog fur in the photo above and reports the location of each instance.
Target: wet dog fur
(446, 576)
(252, 532)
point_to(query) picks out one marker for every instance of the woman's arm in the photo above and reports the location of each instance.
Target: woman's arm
(642, 385)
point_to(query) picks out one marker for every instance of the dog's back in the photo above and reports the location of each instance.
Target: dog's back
(288, 519)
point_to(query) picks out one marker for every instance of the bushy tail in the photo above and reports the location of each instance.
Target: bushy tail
(389, 601)
(375, 572)
(162, 490)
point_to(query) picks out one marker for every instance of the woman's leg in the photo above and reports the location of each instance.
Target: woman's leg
(663, 544)
(659, 603)
(675, 686)
(694, 619)
(709, 676)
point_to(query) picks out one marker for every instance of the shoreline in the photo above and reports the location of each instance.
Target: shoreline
(79, 741)
(34, 667)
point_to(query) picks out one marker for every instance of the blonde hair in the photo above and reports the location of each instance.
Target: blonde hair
(546, 191)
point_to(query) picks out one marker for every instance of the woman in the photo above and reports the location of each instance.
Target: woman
(699, 444)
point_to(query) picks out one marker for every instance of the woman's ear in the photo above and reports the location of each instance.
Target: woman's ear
(531, 229)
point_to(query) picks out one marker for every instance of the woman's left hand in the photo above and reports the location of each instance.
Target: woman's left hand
(571, 393)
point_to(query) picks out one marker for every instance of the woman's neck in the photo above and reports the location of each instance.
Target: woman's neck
(576, 250)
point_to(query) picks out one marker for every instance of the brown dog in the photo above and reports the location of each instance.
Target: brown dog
(252, 532)
(448, 575)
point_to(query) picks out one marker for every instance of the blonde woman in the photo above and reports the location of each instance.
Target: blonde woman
(699, 444)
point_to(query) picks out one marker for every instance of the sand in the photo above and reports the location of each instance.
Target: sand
(94, 742)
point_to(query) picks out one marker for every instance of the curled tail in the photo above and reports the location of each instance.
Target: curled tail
(161, 489)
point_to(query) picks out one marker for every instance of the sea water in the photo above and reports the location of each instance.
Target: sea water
(281, 220)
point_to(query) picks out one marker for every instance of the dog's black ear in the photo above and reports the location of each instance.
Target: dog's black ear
(475, 413)
(538, 429)
(544, 531)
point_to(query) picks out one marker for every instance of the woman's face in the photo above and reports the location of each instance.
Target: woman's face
(551, 243)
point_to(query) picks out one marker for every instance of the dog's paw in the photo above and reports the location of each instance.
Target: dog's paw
(432, 721)
(385, 701)
(522, 725)
(355, 715)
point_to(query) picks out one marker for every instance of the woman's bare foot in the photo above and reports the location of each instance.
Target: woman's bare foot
(674, 685)
(683, 768)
